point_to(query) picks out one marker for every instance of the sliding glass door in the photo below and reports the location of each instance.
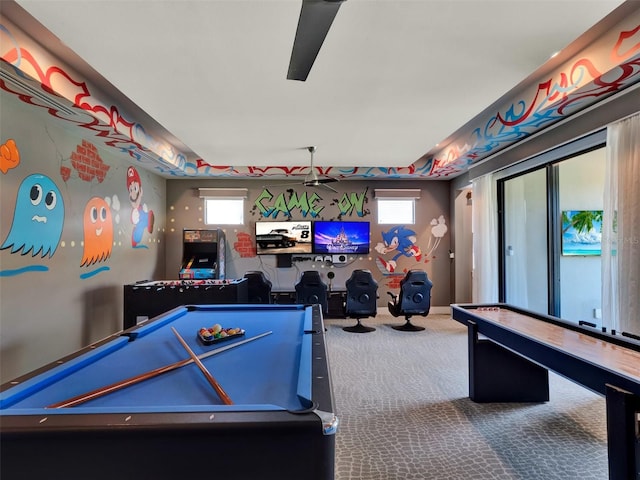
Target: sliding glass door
(551, 227)
(580, 200)
(525, 241)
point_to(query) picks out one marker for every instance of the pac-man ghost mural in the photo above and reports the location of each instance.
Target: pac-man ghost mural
(38, 217)
(98, 232)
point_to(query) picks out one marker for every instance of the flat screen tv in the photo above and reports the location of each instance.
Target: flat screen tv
(341, 237)
(273, 238)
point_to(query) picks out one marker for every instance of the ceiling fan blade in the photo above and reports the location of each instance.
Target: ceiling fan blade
(328, 187)
(326, 180)
(321, 182)
(316, 17)
(321, 185)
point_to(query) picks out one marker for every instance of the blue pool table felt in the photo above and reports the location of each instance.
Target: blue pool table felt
(271, 373)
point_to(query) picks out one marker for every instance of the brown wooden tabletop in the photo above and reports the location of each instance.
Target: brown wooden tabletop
(624, 361)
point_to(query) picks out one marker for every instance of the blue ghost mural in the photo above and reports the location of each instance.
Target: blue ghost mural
(37, 219)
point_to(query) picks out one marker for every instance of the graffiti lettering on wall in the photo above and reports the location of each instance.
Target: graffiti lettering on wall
(291, 201)
(270, 206)
(352, 203)
(400, 241)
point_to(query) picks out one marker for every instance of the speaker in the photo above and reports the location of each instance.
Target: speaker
(339, 258)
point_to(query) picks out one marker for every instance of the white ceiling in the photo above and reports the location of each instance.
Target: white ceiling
(393, 78)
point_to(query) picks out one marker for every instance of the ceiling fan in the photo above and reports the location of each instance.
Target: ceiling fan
(313, 179)
(316, 17)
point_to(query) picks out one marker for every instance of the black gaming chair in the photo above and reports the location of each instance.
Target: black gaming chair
(362, 294)
(311, 289)
(414, 299)
(258, 287)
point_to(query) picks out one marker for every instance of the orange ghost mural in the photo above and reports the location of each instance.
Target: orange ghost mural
(98, 232)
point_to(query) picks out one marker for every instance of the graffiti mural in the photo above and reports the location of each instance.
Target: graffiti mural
(352, 203)
(400, 241)
(142, 217)
(98, 232)
(38, 218)
(287, 202)
(307, 204)
(9, 155)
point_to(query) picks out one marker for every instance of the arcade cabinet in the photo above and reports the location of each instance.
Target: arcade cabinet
(202, 254)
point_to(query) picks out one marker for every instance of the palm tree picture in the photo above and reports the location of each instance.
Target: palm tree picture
(581, 232)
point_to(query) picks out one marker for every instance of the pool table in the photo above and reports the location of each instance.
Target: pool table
(281, 425)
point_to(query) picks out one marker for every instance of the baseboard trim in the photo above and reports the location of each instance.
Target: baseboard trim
(446, 309)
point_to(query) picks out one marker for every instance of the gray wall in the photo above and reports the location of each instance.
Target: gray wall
(70, 295)
(185, 210)
(51, 305)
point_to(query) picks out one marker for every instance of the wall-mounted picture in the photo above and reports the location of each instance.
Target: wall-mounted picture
(581, 232)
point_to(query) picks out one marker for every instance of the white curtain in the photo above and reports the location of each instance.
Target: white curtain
(621, 228)
(485, 240)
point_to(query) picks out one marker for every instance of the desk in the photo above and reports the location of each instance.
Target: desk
(281, 425)
(511, 348)
(148, 299)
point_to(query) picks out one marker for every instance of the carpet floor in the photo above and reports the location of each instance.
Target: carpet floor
(402, 400)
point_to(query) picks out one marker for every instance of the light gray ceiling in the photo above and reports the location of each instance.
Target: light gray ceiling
(393, 78)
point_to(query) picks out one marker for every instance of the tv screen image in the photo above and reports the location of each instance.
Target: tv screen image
(341, 237)
(283, 237)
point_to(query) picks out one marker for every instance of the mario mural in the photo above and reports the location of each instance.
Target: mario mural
(141, 216)
(401, 241)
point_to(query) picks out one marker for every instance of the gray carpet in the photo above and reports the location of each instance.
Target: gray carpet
(402, 400)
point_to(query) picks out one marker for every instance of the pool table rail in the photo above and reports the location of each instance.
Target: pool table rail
(163, 436)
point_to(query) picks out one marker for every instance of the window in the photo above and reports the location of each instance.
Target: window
(396, 211)
(224, 211)
(223, 206)
(396, 205)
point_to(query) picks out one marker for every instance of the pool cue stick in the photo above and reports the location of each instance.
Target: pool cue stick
(85, 397)
(214, 383)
